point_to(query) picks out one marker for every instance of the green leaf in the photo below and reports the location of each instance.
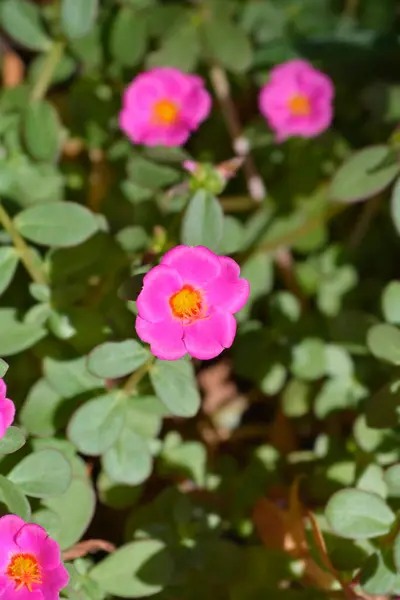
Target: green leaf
(378, 574)
(383, 408)
(41, 130)
(129, 460)
(392, 480)
(21, 20)
(147, 174)
(96, 425)
(75, 509)
(296, 398)
(116, 495)
(188, 457)
(203, 221)
(70, 378)
(38, 413)
(391, 303)
(358, 515)
(116, 359)
(180, 48)
(174, 383)
(8, 265)
(13, 440)
(396, 552)
(309, 359)
(16, 336)
(59, 224)
(128, 41)
(363, 175)
(228, 44)
(3, 367)
(42, 474)
(78, 17)
(64, 69)
(14, 499)
(48, 520)
(259, 272)
(136, 570)
(384, 343)
(395, 206)
(233, 236)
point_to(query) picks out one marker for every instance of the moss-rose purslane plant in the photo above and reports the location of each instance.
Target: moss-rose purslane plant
(187, 304)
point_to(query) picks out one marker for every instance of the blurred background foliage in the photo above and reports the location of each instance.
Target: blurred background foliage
(274, 470)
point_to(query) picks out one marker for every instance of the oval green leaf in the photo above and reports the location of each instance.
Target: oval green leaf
(175, 384)
(41, 130)
(128, 40)
(13, 440)
(21, 20)
(75, 509)
(136, 570)
(356, 514)
(129, 460)
(363, 175)
(16, 502)
(78, 17)
(42, 474)
(116, 359)
(203, 222)
(59, 224)
(384, 342)
(96, 425)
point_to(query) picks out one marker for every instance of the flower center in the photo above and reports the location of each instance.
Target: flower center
(186, 304)
(299, 105)
(165, 112)
(24, 570)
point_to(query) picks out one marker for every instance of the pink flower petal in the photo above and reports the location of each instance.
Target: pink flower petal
(8, 591)
(158, 286)
(7, 411)
(165, 337)
(207, 338)
(228, 291)
(9, 526)
(195, 264)
(34, 539)
(55, 580)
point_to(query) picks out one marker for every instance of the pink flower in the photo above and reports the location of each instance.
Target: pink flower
(30, 562)
(7, 409)
(187, 304)
(297, 101)
(163, 106)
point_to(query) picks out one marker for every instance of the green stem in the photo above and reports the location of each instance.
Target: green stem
(43, 83)
(288, 239)
(21, 247)
(136, 377)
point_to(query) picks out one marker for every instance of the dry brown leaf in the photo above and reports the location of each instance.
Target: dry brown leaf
(87, 547)
(282, 529)
(217, 387)
(13, 69)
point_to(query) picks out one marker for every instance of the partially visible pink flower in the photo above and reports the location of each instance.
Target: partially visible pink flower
(297, 101)
(7, 409)
(30, 562)
(187, 304)
(190, 165)
(163, 106)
